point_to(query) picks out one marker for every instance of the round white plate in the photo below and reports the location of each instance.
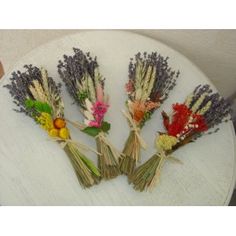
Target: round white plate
(36, 171)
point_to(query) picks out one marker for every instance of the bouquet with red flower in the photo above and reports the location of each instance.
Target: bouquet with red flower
(85, 84)
(201, 111)
(150, 81)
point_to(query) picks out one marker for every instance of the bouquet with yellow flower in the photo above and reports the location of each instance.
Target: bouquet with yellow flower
(85, 84)
(150, 81)
(38, 96)
(201, 111)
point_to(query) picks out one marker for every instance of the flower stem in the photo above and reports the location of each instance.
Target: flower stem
(107, 159)
(131, 153)
(86, 174)
(146, 175)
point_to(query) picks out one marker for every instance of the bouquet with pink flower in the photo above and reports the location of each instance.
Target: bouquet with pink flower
(81, 76)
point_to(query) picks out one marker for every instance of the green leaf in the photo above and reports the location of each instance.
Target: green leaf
(29, 103)
(90, 165)
(82, 95)
(39, 106)
(105, 126)
(47, 108)
(92, 131)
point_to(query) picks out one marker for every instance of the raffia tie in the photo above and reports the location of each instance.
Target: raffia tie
(163, 157)
(84, 147)
(102, 137)
(135, 128)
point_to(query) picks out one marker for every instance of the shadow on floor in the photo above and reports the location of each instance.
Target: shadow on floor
(233, 199)
(232, 100)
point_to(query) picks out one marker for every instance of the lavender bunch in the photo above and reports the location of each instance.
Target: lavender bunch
(201, 111)
(80, 73)
(150, 81)
(38, 96)
(34, 84)
(214, 107)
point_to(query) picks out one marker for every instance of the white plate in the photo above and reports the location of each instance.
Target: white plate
(35, 171)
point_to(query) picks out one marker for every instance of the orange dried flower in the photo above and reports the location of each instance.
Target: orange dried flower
(151, 105)
(138, 115)
(138, 109)
(59, 123)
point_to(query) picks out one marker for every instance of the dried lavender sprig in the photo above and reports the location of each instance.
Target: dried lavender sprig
(217, 111)
(73, 70)
(165, 76)
(19, 88)
(219, 108)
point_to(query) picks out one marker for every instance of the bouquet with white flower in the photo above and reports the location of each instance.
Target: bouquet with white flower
(85, 84)
(201, 111)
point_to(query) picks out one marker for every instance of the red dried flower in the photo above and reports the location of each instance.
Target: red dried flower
(179, 119)
(184, 121)
(200, 122)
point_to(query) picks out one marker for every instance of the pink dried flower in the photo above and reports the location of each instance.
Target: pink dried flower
(129, 87)
(99, 92)
(99, 109)
(94, 123)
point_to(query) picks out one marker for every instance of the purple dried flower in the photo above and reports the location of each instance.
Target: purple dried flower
(73, 71)
(165, 78)
(19, 88)
(219, 108)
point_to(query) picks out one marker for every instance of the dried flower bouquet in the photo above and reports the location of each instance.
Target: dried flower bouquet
(201, 111)
(80, 73)
(38, 96)
(150, 81)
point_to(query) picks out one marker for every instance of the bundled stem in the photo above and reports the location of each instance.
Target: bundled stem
(131, 153)
(150, 81)
(188, 121)
(80, 73)
(39, 97)
(108, 158)
(146, 176)
(86, 172)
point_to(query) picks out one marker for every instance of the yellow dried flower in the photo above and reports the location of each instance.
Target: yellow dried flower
(166, 142)
(46, 121)
(189, 100)
(205, 108)
(198, 102)
(54, 132)
(64, 133)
